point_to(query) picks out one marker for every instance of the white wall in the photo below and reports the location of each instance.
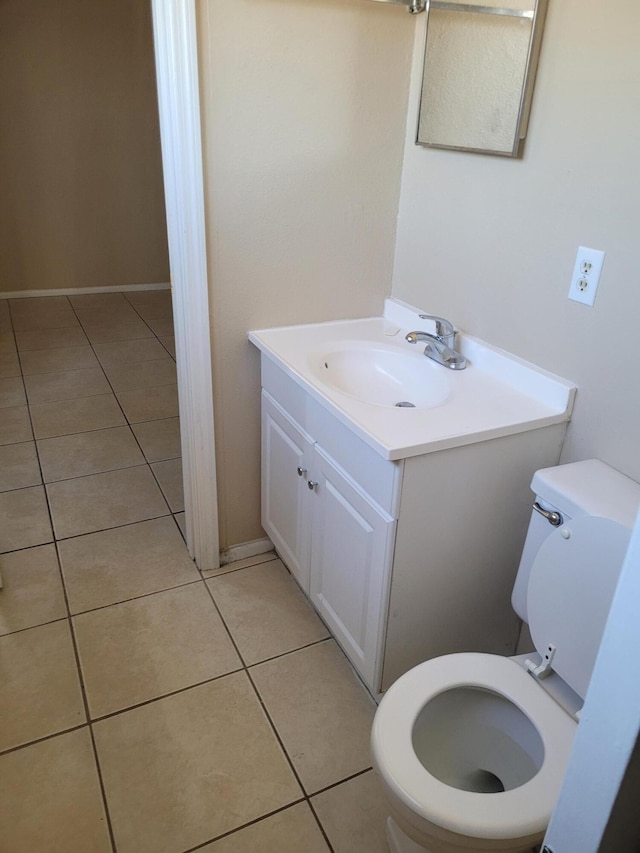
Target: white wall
(303, 107)
(490, 242)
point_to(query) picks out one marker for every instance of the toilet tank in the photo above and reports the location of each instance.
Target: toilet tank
(574, 490)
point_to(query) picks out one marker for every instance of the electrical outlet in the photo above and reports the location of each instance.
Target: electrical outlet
(586, 275)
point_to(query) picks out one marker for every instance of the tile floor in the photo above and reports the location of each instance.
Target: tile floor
(144, 706)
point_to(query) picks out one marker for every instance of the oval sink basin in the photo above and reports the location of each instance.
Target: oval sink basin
(383, 376)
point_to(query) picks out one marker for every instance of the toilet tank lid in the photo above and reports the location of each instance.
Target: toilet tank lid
(589, 488)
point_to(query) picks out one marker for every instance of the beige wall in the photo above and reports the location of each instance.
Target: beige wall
(303, 108)
(80, 171)
(491, 243)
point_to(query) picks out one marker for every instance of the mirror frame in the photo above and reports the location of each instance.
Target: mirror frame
(526, 95)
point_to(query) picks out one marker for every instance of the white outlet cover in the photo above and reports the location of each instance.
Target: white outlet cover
(586, 275)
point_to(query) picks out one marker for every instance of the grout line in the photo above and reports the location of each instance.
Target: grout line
(86, 707)
(134, 598)
(228, 569)
(265, 711)
(105, 529)
(320, 826)
(245, 825)
(93, 429)
(143, 704)
(184, 539)
(290, 652)
(37, 625)
(44, 738)
(368, 769)
(143, 464)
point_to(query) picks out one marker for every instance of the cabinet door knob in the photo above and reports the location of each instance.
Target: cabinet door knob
(301, 471)
(312, 484)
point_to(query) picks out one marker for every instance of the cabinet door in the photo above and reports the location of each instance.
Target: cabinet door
(351, 551)
(286, 451)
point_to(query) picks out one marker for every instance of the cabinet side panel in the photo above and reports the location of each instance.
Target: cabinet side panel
(463, 520)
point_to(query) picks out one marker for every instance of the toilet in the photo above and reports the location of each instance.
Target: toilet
(471, 748)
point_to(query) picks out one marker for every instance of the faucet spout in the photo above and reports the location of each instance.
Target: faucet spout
(437, 349)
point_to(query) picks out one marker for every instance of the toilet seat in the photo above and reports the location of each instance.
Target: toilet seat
(515, 813)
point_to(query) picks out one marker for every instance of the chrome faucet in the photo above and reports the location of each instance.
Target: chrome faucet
(440, 347)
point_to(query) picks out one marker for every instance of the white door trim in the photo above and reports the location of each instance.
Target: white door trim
(176, 51)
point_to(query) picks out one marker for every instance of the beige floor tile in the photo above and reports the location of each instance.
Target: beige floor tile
(151, 303)
(241, 564)
(67, 385)
(40, 687)
(161, 326)
(58, 359)
(169, 343)
(293, 830)
(45, 319)
(265, 611)
(88, 453)
(125, 352)
(15, 425)
(151, 646)
(180, 521)
(353, 815)
(115, 315)
(321, 712)
(19, 466)
(149, 404)
(142, 374)
(98, 301)
(182, 770)
(80, 415)
(50, 798)
(7, 341)
(9, 364)
(32, 591)
(106, 331)
(24, 519)
(24, 306)
(159, 440)
(114, 565)
(169, 474)
(51, 339)
(101, 501)
(12, 392)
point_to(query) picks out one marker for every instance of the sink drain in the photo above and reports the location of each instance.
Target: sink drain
(404, 404)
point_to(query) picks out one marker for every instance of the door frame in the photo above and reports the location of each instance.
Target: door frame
(176, 54)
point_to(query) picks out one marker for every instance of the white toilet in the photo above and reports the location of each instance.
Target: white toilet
(471, 749)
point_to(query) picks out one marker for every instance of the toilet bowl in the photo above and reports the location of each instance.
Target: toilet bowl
(471, 748)
(461, 762)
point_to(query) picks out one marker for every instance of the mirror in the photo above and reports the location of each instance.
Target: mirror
(478, 74)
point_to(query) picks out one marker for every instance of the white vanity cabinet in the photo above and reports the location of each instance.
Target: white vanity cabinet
(335, 539)
(404, 558)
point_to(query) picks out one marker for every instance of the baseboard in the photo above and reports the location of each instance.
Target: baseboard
(244, 550)
(81, 291)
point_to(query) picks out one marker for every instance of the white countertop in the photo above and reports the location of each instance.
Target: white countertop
(496, 395)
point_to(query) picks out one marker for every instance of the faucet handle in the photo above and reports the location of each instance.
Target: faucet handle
(444, 328)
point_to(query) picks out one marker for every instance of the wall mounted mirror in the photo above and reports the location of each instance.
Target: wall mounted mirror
(478, 74)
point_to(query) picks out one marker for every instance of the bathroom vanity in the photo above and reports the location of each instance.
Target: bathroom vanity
(402, 524)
